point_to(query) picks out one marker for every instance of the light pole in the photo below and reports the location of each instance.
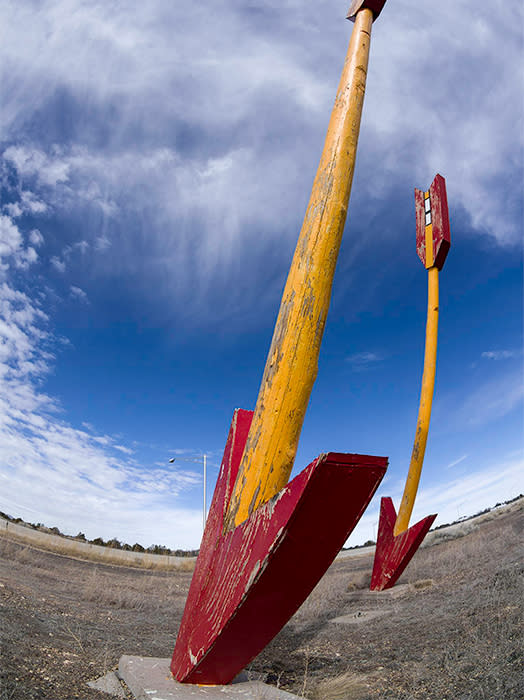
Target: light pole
(198, 461)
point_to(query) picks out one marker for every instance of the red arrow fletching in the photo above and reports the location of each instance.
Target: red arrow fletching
(439, 221)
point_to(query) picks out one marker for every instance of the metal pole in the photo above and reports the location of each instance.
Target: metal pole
(292, 362)
(424, 411)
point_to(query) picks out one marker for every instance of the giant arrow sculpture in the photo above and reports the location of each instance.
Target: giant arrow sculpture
(267, 542)
(396, 542)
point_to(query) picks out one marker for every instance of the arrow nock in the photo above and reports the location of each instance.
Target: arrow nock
(356, 5)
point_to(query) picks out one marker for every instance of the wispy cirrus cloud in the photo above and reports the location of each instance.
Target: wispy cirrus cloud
(175, 147)
(491, 400)
(500, 354)
(94, 479)
(364, 360)
(462, 496)
(456, 461)
(194, 131)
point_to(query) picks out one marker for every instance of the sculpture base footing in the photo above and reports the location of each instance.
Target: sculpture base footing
(148, 677)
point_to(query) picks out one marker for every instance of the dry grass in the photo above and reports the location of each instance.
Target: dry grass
(455, 629)
(360, 580)
(135, 594)
(423, 583)
(322, 599)
(346, 686)
(452, 628)
(101, 555)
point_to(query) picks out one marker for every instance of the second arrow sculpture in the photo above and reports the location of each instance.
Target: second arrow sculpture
(396, 543)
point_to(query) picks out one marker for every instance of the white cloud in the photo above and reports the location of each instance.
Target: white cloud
(35, 237)
(456, 461)
(48, 169)
(206, 135)
(14, 210)
(102, 243)
(61, 262)
(439, 102)
(124, 449)
(26, 257)
(468, 494)
(11, 246)
(82, 246)
(463, 496)
(78, 293)
(10, 237)
(499, 354)
(363, 360)
(199, 127)
(31, 203)
(491, 400)
(58, 264)
(93, 486)
(95, 481)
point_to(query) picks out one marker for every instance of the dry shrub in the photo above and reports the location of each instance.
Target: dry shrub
(123, 596)
(423, 583)
(29, 557)
(359, 580)
(347, 686)
(187, 565)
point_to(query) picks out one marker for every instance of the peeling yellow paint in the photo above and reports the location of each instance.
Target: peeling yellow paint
(291, 367)
(424, 411)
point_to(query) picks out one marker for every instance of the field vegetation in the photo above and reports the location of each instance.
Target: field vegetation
(451, 627)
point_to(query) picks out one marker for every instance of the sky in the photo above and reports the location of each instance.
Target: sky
(156, 160)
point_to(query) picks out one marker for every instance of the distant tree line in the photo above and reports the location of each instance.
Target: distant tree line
(480, 512)
(112, 543)
(160, 549)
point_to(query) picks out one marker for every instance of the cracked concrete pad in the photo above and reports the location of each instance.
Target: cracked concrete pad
(151, 679)
(108, 684)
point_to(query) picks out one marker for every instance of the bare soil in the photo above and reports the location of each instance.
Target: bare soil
(451, 628)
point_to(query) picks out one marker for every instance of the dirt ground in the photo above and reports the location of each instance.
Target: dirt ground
(451, 628)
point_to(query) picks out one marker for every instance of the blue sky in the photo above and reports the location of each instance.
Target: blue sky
(155, 168)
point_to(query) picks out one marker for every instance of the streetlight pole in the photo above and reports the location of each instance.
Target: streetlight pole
(198, 461)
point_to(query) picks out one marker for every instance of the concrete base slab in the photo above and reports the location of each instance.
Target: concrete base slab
(151, 679)
(359, 616)
(108, 684)
(397, 591)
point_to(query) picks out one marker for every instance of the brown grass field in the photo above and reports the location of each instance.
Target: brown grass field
(450, 630)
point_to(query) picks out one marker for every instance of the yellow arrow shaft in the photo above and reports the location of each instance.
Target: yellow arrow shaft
(292, 362)
(424, 411)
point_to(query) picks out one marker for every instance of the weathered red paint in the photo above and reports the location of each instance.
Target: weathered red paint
(439, 221)
(392, 553)
(374, 5)
(249, 581)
